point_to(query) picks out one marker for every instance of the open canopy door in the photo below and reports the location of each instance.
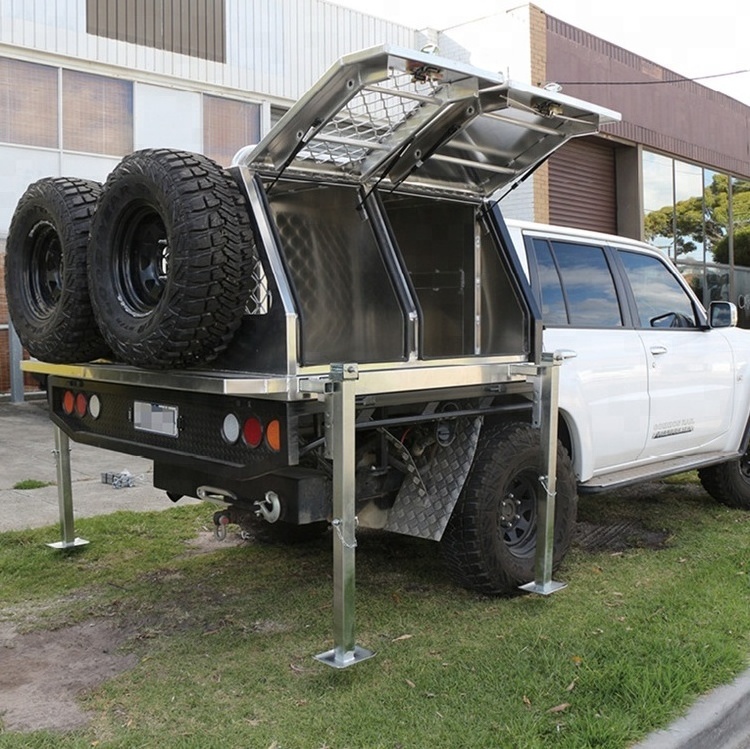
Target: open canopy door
(410, 120)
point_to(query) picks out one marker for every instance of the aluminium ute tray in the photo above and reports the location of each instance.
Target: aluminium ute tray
(404, 378)
(399, 118)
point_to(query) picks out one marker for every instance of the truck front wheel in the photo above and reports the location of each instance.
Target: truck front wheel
(490, 542)
(729, 483)
(45, 271)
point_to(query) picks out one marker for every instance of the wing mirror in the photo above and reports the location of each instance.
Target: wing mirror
(722, 315)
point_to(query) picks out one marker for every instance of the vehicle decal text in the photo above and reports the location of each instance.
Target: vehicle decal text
(670, 428)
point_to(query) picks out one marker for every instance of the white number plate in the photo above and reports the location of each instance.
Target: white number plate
(153, 417)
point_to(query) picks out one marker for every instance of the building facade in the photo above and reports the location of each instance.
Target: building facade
(83, 82)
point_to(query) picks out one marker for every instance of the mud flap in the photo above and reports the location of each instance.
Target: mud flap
(426, 499)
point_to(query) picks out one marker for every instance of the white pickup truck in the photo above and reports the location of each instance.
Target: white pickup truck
(651, 386)
(343, 324)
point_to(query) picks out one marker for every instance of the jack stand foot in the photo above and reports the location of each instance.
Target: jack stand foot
(336, 659)
(545, 589)
(68, 544)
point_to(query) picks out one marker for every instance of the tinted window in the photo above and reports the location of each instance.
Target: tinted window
(576, 285)
(550, 286)
(660, 300)
(589, 286)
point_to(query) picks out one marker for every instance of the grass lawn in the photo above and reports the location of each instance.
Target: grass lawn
(223, 636)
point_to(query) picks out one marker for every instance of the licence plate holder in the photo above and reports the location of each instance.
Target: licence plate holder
(156, 418)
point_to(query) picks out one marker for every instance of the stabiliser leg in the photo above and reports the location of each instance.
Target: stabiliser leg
(65, 493)
(341, 426)
(545, 534)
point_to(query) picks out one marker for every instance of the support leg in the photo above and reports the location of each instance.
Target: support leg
(545, 534)
(65, 493)
(341, 415)
(15, 355)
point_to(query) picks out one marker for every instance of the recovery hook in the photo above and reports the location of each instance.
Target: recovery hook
(221, 521)
(269, 508)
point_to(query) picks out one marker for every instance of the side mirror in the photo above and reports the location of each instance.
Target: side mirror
(722, 315)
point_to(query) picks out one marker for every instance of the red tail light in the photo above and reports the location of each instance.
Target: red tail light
(68, 402)
(252, 432)
(81, 405)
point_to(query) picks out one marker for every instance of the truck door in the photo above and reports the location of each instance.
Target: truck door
(604, 386)
(690, 368)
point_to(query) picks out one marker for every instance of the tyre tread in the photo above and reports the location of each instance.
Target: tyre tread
(464, 542)
(69, 333)
(207, 295)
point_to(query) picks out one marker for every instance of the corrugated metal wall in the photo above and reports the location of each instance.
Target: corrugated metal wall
(273, 47)
(582, 183)
(191, 27)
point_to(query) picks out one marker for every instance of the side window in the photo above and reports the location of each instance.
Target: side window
(660, 300)
(554, 311)
(576, 285)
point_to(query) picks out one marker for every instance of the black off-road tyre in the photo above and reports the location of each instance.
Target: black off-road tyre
(729, 483)
(171, 259)
(46, 283)
(490, 542)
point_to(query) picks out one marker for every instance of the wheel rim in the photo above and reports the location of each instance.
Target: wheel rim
(46, 265)
(141, 260)
(516, 525)
(745, 467)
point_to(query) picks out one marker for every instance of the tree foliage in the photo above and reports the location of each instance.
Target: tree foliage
(741, 248)
(704, 219)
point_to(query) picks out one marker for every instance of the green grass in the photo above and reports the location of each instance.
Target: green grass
(225, 638)
(32, 484)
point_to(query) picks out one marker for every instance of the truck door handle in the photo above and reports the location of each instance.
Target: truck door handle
(658, 350)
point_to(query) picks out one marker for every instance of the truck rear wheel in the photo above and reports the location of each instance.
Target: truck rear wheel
(45, 271)
(729, 483)
(490, 542)
(171, 257)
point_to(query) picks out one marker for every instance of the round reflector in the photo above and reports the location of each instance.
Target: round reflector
(230, 429)
(273, 435)
(252, 431)
(95, 406)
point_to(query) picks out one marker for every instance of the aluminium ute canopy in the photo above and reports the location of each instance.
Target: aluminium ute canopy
(404, 119)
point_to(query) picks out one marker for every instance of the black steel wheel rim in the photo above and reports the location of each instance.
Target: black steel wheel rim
(516, 525)
(141, 259)
(745, 467)
(46, 265)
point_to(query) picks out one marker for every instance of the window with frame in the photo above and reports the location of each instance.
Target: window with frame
(228, 125)
(575, 285)
(660, 300)
(28, 103)
(97, 114)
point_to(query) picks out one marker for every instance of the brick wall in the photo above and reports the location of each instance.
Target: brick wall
(538, 46)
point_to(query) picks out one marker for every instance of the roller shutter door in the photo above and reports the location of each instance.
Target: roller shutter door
(582, 186)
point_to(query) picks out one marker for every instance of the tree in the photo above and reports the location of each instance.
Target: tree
(704, 220)
(741, 248)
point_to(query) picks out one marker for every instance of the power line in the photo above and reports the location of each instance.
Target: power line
(650, 83)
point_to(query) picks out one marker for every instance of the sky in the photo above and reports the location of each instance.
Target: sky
(690, 38)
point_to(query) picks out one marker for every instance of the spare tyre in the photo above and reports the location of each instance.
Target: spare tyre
(171, 258)
(46, 282)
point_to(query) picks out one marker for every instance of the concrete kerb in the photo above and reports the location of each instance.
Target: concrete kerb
(718, 720)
